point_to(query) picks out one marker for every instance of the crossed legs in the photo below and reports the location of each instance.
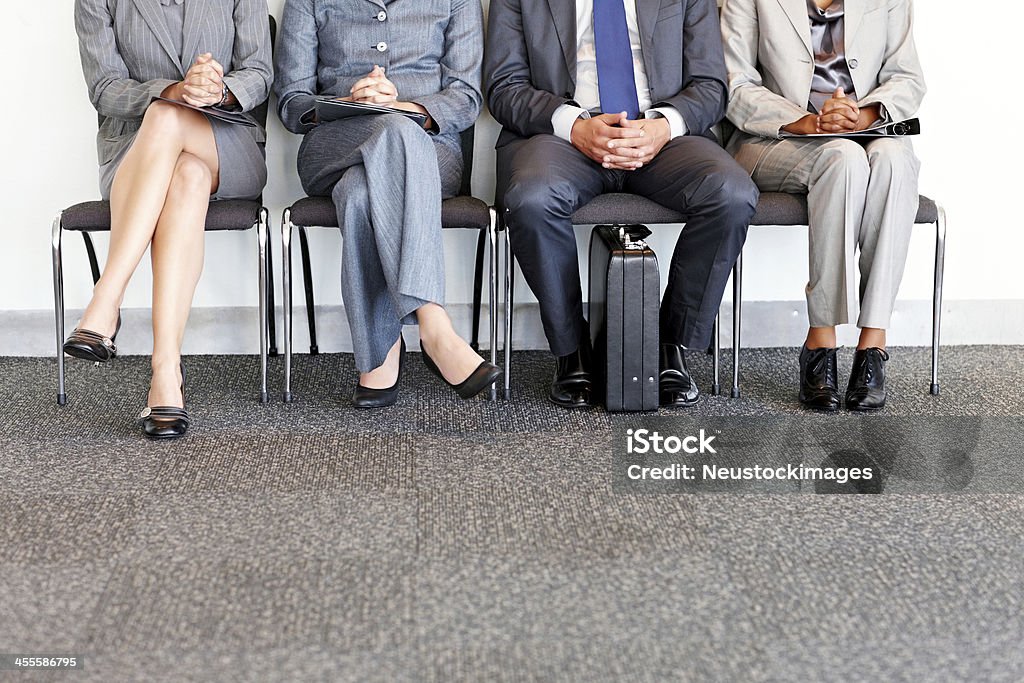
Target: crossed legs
(159, 200)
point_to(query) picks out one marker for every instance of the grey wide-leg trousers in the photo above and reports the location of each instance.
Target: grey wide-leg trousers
(387, 177)
(859, 195)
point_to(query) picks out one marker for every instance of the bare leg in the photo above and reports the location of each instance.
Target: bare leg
(821, 338)
(138, 196)
(449, 351)
(177, 256)
(871, 338)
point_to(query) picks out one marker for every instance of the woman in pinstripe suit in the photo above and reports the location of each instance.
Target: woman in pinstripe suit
(161, 163)
(385, 173)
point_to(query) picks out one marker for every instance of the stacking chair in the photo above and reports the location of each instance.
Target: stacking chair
(773, 208)
(464, 211)
(613, 208)
(229, 215)
(779, 208)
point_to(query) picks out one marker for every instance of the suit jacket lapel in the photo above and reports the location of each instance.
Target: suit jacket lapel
(797, 12)
(854, 12)
(195, 12)
(150, 11)
(564, 14)
(646, 18)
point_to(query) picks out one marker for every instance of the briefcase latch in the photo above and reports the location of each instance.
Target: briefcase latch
(631, 242)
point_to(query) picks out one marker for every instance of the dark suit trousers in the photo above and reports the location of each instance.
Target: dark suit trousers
(543, 180)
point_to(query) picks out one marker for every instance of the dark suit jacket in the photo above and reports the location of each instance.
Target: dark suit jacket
(530, 65)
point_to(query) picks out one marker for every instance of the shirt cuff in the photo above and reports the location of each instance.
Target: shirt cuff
(564, 117)
(676, 124)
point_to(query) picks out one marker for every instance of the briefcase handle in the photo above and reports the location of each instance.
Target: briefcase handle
(633, 236)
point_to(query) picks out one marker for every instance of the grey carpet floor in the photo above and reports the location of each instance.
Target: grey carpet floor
(441, 540)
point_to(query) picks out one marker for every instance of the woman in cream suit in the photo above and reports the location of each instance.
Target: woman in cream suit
(385, 173)
(809, 67)
(161, 163)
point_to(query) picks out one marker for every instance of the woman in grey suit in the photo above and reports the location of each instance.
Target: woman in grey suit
(813, 67)
(385, 173)
(161, 163)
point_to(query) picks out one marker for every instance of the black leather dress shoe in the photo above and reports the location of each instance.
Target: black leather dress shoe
(675, 385)
(572, 383)
(92, 346)
(365, 397)
(482, 377)
(166, 422)
(866, 390)
(819, 388)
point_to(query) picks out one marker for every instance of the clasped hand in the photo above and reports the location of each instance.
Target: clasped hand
(839, 114)
(374, 88)
(204, 83)
(617, 142)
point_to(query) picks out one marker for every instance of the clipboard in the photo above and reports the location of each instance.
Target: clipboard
(214, 113)
(334, 108)
(898, 129)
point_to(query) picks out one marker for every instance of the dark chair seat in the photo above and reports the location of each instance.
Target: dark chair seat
(458, 212)
(774, 208)
(231, 214)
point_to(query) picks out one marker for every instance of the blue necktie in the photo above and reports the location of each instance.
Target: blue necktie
(615, 80)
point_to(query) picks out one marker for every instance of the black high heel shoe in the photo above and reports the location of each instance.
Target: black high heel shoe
(166, 422)
(485, 375)
(89, 345)
(365, 397)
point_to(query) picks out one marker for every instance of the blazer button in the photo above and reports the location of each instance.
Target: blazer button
(854, 63)
(382, 46)
(382, 15)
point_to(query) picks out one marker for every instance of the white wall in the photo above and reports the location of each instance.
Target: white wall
(47, 129)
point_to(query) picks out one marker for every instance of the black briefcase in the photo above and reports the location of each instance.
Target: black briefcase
(625, 291)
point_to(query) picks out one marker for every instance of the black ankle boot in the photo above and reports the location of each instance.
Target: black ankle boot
(866, 390)
(819, 386)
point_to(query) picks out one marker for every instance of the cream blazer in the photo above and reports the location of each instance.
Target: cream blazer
(770, 60)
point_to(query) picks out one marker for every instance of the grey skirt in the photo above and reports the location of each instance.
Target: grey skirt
(243, 163)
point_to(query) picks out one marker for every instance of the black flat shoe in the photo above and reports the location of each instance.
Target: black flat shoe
(166, 422)
(866, 390)
(93, 346)
(819, 388)
(572, 382)
(675, 385)
(365, 397)
(484, 376)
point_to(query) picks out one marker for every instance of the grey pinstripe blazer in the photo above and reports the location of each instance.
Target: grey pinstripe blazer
(430, 49)
(128, 58)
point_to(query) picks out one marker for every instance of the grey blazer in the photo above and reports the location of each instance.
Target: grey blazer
(128, 58)
(768, 53)
(430, 49)
(530, 67)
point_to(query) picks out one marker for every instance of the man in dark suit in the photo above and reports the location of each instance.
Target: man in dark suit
(615, 96)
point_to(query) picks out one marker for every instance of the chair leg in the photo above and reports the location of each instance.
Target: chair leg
(478, 287)
(307, 280)
(286, 299)
(261, 237)
(509, 305)
(492, 294)
(90, 250)
(737, 322)
(716, 387)
(940, 267)
(58, 305)
(271, 304)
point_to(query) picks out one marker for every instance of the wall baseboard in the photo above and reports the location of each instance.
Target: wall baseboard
(765, 324)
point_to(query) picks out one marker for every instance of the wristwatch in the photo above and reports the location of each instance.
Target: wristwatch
(224, 96)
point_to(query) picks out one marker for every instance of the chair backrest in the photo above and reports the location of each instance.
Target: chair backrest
(468, 137)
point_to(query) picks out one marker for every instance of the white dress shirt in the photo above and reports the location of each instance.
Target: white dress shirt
(587, 93)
